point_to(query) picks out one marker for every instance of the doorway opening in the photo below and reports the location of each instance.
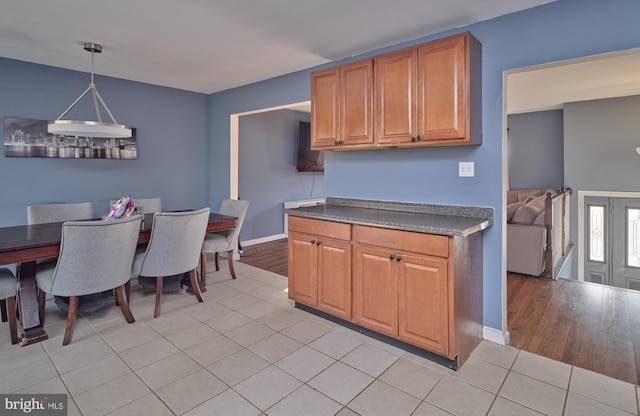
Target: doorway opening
(573, 320)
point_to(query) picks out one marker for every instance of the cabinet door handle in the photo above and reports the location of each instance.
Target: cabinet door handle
(317, 243)
(391, 256)
(418, 138)
(336, 142)
(413, 139)
(313, 241)
(398, 258)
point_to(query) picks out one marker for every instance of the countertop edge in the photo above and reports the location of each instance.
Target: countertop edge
(476, 223)
(414, 207)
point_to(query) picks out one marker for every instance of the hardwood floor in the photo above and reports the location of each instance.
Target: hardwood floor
(587, 325)
(270, 256)
(584, 324)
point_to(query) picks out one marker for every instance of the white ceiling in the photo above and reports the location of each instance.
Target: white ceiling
(212, 45)
(549, 86)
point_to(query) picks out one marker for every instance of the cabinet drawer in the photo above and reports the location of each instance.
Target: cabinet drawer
(430, 244)
(331, 229)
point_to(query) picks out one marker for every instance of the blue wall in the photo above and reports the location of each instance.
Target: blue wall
(556, 31)
(536, 150)
(267, 154)
(172, 140)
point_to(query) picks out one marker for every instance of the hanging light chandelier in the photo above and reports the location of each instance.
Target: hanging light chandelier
(90, 128)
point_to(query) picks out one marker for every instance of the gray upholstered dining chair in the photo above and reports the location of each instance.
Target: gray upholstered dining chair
(59, 212)
(95, 256)
(8, 293)
(173, 249)
(41, 214)
(150, 205)
(224, 241)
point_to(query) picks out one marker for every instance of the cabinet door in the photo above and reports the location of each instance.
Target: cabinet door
(325, 108)
(395, 100)
(423, 302)
(303, 285)
(356, 103)
(442, 89)
(334, 277)
(376, 293)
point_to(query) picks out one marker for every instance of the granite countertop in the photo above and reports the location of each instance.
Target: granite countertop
(450, 220)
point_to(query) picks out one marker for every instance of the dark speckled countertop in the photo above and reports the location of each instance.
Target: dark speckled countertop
(425, 218)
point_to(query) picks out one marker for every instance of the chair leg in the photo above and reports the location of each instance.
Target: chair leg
(42, 298)
(203, 271)
(11, 312)
(71, 319)
(156, 313)
(127, 291)
(195, 286)
(230, 257)
(124, 304)
(217, 265)
(3, 309)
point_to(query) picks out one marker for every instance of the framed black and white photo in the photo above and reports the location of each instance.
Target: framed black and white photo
(29, 138)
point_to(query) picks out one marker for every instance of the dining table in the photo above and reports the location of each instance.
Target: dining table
(23, 245)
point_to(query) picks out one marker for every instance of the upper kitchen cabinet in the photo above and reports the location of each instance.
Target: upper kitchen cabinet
(325, 108)
(449, 101)
(426, 95)
(342, 106)
(395, 95)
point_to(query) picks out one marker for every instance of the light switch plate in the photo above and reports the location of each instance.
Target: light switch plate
(466, 169)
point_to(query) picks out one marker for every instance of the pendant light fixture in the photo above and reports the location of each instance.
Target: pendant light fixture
(90, 128)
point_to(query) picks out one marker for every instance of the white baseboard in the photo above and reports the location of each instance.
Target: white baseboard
(495, 335)
(260, 240)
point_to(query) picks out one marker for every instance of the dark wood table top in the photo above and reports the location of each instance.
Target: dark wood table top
(23, 243)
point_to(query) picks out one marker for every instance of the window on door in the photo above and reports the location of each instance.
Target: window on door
(612, 241)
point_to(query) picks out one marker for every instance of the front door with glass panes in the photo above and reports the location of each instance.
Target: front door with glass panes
(612, 246)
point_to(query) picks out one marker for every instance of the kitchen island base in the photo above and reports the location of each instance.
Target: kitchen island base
(409, 274)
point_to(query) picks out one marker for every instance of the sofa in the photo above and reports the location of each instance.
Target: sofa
(526, 233)
(537, 230)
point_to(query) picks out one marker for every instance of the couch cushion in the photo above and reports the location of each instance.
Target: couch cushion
(537, 202)
(526, 214)
(512, 208)
(539, 220)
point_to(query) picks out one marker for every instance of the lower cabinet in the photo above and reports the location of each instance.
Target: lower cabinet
(376, 288)
(400, 293)
(406, 285)
(423, 303)
(320, 265)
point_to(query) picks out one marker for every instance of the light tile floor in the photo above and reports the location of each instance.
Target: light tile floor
(247, 351)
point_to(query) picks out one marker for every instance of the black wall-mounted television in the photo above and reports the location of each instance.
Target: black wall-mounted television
(308, 160)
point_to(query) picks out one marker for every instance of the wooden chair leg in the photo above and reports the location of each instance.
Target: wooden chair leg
(217, 265)
(11, 312)
(230, 257)
(3, 309)
(71, 319)
(124, 304)
(193, 278)
(203, 271)
(42, 298)
(127, 291)
(156, 313)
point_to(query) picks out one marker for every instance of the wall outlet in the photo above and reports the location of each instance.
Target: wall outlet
(465, 169)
